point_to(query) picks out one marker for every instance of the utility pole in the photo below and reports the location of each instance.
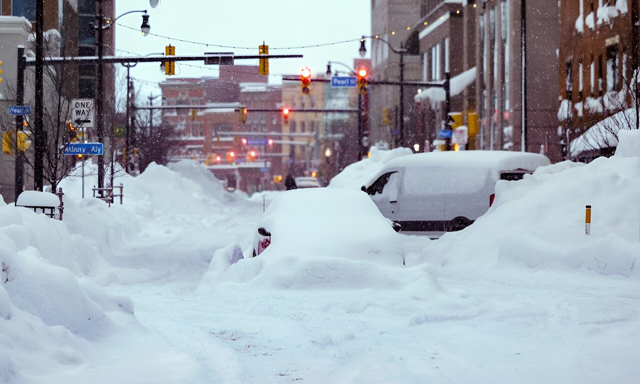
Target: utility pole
(19, 177)
(447, 104)
(99, 92)
(38, 166)
(402, 52)
(523, 53)
(360, 132)
(127, 145)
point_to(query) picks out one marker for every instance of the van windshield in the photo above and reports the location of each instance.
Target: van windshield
(420, 181)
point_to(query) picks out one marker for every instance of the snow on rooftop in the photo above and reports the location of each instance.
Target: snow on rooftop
(457, 83)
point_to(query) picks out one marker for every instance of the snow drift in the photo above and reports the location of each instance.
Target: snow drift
(538, 222)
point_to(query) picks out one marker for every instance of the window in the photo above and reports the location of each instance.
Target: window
(600, 79)
(25, 8)
(592, 76)
(568, 80)
(446, 55)
(424, 60)
(612, 68)
(435, 62)
(580, 80)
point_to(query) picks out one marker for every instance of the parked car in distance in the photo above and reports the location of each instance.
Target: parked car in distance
(327, 222)
(438, 192)
(307, 182)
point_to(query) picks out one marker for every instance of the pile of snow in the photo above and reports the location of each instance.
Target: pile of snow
(358, 174)
(322, 238)
(538, 222)
(49, 307)
(457, 83)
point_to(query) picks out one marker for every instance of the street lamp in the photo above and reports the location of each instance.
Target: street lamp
(103, 23)
(402, 51)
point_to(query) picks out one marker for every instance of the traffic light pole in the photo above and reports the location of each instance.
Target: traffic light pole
(99, 92)
(447, 104)
(38, 160)
(360, 131)
(402, 51)
(19, 177)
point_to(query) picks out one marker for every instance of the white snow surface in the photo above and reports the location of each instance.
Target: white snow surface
(604, 133)
(157, 290)
(358, 174)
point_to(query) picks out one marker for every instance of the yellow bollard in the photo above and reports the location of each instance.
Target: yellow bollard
(587, 221)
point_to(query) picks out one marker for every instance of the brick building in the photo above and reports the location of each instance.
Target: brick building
(598, 56)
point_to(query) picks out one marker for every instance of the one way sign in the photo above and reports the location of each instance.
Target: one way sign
(82, 111)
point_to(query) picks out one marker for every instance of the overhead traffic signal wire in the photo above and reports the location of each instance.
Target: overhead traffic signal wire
(239, 47)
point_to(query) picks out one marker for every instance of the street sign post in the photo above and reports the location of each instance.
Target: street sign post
(82, 112)
(20, 110)
(343, 81)
(88, 149)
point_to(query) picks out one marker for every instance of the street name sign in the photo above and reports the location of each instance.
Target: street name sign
(343, 81)
(83, 149)
(446, 133)
(82, 111)
(19, 110)
(258, 141)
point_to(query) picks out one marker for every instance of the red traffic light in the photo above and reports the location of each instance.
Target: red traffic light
(362, 72)
(244, 141)
(270, 142)
(285, 111)
(218, 159)
(305, 73)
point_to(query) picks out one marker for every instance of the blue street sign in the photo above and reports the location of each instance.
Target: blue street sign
(343, 81)
(19, 110)
(395, 132)
(258, 141)
(83, 149)
(446, 133)
(264, 170)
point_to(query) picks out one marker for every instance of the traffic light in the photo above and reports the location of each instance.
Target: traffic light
(169, 66)
(231, 157)
(252, 155)
(362, 81)
(1, 80)
(305, 78)
(244, 112)
(454, 120)
(270, 142)
(263, 68)
(285, 115)
(73, 134)
(386, 116)
(243, 141)
(218, 159)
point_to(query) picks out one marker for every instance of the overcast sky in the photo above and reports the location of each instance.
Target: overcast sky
(244, 23)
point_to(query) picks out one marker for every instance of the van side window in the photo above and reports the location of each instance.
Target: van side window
(516, 174)
(378, 185)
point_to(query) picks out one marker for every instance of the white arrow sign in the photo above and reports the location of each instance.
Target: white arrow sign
(82, 111)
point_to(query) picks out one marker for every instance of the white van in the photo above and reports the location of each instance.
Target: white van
(438, 192)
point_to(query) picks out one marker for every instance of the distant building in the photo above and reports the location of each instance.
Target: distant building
(302, 155)
(199, 134)
(597, 63)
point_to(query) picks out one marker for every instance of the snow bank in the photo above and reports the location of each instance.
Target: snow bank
(48, 305)
(538, 222)
(629, 143)
(358, 174)
(604, 133)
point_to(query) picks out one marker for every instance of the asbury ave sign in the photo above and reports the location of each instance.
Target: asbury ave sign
(83, 149)
(82, 112)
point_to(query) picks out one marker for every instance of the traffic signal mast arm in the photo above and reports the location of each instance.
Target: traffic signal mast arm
(138, 59)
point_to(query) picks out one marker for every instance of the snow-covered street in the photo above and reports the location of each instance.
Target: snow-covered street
(157, 290)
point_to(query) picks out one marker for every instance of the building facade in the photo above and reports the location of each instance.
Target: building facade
(499, 84)
(393, 22)
(447, 45)
(597, 65)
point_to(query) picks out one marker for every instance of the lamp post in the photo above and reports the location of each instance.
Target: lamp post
(402, 51)
(101, 24)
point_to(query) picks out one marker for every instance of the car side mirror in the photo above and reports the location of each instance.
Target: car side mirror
(263, 232)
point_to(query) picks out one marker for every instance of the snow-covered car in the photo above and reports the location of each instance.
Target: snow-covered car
(331, 222)
(439, 192)
(307, 182)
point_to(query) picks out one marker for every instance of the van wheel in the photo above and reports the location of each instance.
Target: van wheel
(459, 223)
